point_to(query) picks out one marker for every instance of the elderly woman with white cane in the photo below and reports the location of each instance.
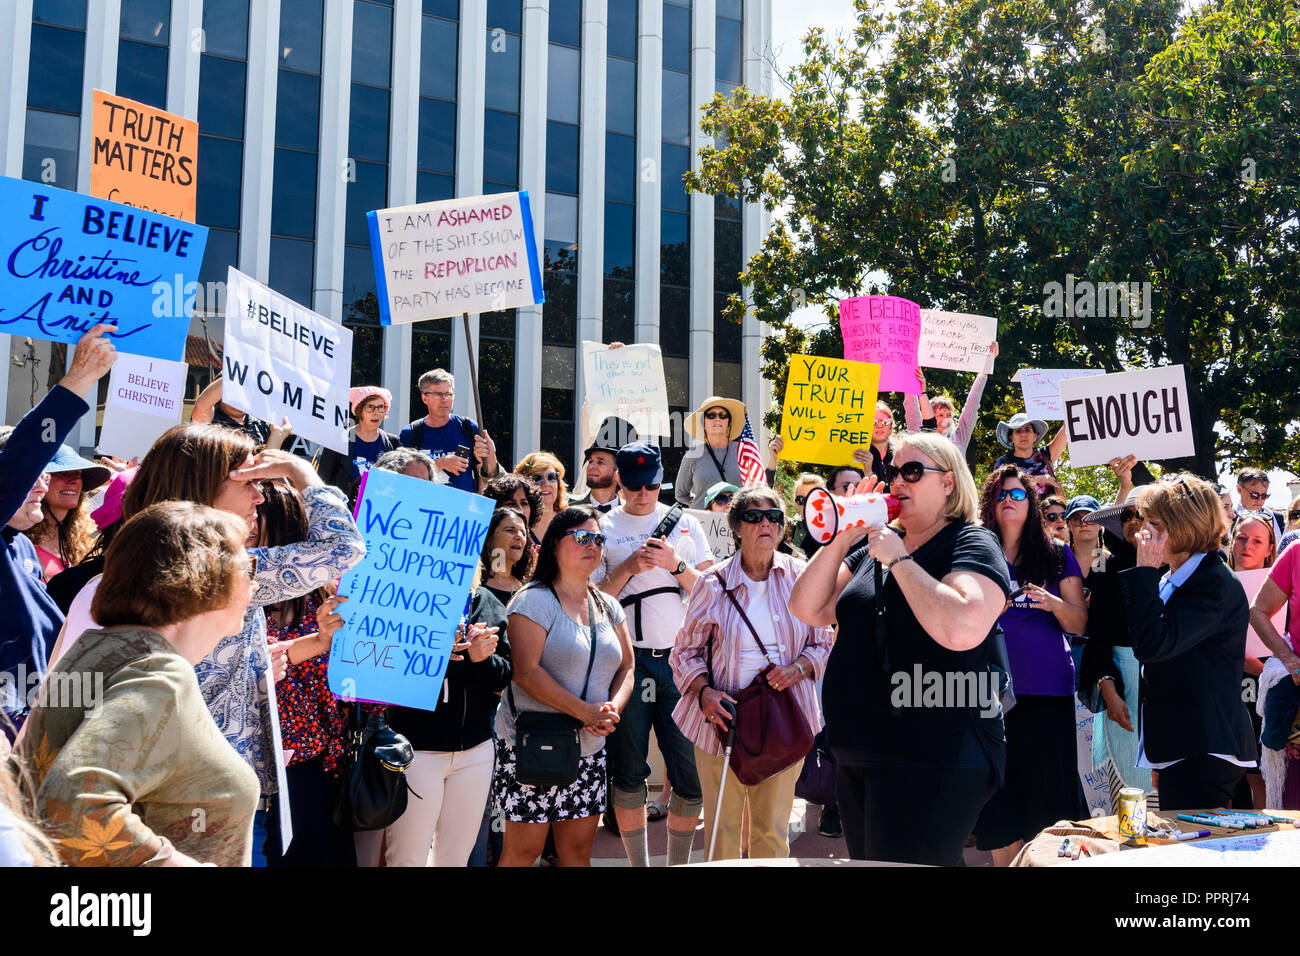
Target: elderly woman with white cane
(738, 643)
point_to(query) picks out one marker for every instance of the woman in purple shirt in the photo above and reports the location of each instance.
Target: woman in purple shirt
(1042, 777)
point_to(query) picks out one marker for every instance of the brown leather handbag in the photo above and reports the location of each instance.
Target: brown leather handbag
(771, 732)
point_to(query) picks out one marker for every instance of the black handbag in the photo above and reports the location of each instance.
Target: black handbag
(548, 746)
(374, 783)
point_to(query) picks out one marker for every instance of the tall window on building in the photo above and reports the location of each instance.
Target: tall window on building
(675, 217)
(368, 135)
(144, 31)
(54, 76)
(297, 150)
(619, 312)
(727, 258)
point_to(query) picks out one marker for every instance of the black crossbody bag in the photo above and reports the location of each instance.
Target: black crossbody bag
(548, 746)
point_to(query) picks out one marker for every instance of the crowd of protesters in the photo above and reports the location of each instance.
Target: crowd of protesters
(192, 594)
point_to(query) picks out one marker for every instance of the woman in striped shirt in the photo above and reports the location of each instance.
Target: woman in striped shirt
(717, 654)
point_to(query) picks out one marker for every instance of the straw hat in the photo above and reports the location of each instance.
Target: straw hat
(695, 421)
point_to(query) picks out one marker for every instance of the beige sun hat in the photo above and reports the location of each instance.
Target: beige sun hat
(736, 408)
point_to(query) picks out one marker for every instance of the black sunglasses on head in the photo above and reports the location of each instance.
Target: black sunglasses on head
(911, 472)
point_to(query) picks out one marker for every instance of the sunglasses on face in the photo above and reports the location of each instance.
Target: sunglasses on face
(1293, 515)
(633, 489)
(1129, 514)
(582, 538)
(724, 499)
(1255, 495)
(1054, 516)
(755, 515)
(801, 500)
(1077, 520)
(911, 472)
(714, 416)
(1015, 494)
(552, 476)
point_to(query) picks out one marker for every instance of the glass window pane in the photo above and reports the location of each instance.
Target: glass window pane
(497, 388)
(437, 138)
(443, 8)
(372, 44)
(620, 167)
(560, 314)
(620, 96)
(620, 240)
(728, 50)
(618, 323)
(561, 157)
(503, 72)
(674, 248)
(622, 29)
(368, 193)
(221, 252)
(566, 22)
(225, 28)
(430, 349)
(563, 72)
(501, 148)
(726, 207)
(66, 13)
(726, 378)
(726, 256)
(368, 124)
(506, 14)
(360, 305)
(561, 232)
(221, 97)
(676, 163)
(677, 108)
(558, 368)
(54, 73)
(50, 148)
(430, 187)
(677, 38)
(293, 206)
(292, 268)
(221, 162)
(147, 20)
(674, 322)
(297, 110)
(142, 73)
(300, 34)
(438, 58)
(731, 8)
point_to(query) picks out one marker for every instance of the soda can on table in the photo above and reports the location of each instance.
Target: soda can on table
(1133, 816)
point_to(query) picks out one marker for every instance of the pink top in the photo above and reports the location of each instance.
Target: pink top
(51, 563)
(1285, 573)
(711, 614)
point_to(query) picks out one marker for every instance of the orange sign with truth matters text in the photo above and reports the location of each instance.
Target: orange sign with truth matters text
(144, 157)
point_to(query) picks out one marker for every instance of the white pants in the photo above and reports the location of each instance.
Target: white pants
(440, 827)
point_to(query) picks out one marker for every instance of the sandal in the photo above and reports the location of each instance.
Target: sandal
(654, 812)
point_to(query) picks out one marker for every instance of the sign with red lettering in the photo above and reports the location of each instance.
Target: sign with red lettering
(439, 259)
(1128, 413)
(144, 157)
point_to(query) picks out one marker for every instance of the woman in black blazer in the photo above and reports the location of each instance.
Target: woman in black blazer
(1188, 628)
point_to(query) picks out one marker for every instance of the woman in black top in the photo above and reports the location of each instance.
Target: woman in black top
(912, 709)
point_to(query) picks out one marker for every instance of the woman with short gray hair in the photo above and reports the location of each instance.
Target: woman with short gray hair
(412, 462)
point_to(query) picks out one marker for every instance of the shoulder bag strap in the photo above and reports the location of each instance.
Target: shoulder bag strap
(591, 661)
(721, 471)
(745, 617)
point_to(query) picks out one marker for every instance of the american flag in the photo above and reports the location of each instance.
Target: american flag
(751, 466)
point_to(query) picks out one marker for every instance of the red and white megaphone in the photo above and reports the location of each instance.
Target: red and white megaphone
(825, 516)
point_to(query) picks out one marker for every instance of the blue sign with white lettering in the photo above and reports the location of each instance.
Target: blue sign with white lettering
(72, 261)
(407, 596)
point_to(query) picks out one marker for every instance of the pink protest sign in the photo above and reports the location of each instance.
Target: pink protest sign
(884, 329)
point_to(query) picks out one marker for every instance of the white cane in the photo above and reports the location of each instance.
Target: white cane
(726, 766)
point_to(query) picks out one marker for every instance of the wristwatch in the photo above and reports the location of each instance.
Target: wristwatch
(681, 566)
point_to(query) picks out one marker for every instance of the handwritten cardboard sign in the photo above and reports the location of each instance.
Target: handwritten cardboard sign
(1042, 389)
(721, 541)
(144, 157)
(282, 360)
(627, 382)
(1251, 582)
(145, 398)
(955, 340)
(72, 261)
(436, 259)
(407, 596)
(1109, 416)
(885, 330)
(830, 409)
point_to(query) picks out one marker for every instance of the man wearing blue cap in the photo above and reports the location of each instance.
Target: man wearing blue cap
(653, 556)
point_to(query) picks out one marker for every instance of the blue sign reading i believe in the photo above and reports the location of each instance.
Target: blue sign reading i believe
(72, 261)
(406, 597)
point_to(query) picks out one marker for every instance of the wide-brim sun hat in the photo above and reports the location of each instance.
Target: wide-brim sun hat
(1108, 517)
(736, 408)
(1020, 420)
(66, 460)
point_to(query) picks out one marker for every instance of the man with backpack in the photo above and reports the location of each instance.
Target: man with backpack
(461, 449)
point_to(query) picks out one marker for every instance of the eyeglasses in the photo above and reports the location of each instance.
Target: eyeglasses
(1255, 495)
(755, 515)
(714, 416)
(252, 567)
(723, 499)
(582, 537)
(1053, 516)
(442, 395)
(552, 476)
(911, 471)
(378, 407)
(1015, 494)
(635, 488)
(801, 500)
(1129, 514)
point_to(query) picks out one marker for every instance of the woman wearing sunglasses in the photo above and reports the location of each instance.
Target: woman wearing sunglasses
(718, 654)
(716, 425)
(554, 671)
(1042, 782)
(900, 757)
(547, 475)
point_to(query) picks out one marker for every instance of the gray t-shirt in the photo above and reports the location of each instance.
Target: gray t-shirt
(565, 656)
(698, 472)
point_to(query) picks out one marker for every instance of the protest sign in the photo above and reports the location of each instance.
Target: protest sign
(1251, 582)
(830, 409)
(955, 340)
(72, 261)
(145, 398)
(282, 360)
(885, 330)
(721, 541)
(1042, 389)
(407, 596)
(627, 382)
(1110, 416)
(143, 156)
(437, 259)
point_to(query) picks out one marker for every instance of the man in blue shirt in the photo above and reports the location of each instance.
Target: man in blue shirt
(440, 433)
(31, 620)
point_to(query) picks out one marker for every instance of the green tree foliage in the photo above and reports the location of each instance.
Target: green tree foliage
(968, 154)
